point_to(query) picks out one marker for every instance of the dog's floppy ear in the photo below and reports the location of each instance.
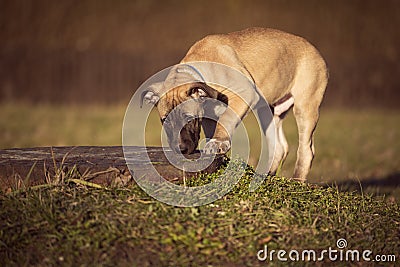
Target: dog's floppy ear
(151, 95)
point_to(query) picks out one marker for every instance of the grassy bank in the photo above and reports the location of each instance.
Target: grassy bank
(70, 225)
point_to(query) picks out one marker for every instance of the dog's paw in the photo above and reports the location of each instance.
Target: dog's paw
(217, 147)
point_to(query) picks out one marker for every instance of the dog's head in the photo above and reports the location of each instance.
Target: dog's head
(181, 111)
(181, 103)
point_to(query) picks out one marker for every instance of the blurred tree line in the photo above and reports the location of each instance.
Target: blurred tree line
(100, 51)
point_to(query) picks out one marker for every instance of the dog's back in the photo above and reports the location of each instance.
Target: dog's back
(275, 60)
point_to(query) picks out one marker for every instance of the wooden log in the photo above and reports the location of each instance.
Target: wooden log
(104, 165)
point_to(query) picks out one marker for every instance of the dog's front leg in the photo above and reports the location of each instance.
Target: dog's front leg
(220, 143)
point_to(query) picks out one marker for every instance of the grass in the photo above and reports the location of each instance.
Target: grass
(71, 224)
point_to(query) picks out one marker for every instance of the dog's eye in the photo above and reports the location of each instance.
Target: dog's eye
(163, 120)
(197, 92)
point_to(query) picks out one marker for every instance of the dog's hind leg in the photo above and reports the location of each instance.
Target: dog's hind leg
(306, 119)
(308, 94)
(281, 144)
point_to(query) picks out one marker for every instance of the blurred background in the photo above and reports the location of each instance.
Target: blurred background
(98, 51)
(68, 69)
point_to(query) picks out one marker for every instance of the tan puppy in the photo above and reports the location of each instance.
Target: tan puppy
(287, 70)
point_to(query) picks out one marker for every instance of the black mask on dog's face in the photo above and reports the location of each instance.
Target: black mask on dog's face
(181, 111)
(183, 131)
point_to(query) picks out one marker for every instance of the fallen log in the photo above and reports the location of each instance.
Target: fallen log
(103, 165)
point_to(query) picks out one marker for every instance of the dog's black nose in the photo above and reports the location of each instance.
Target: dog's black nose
(184, 149)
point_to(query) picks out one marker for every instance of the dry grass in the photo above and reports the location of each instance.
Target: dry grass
(47, 125)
